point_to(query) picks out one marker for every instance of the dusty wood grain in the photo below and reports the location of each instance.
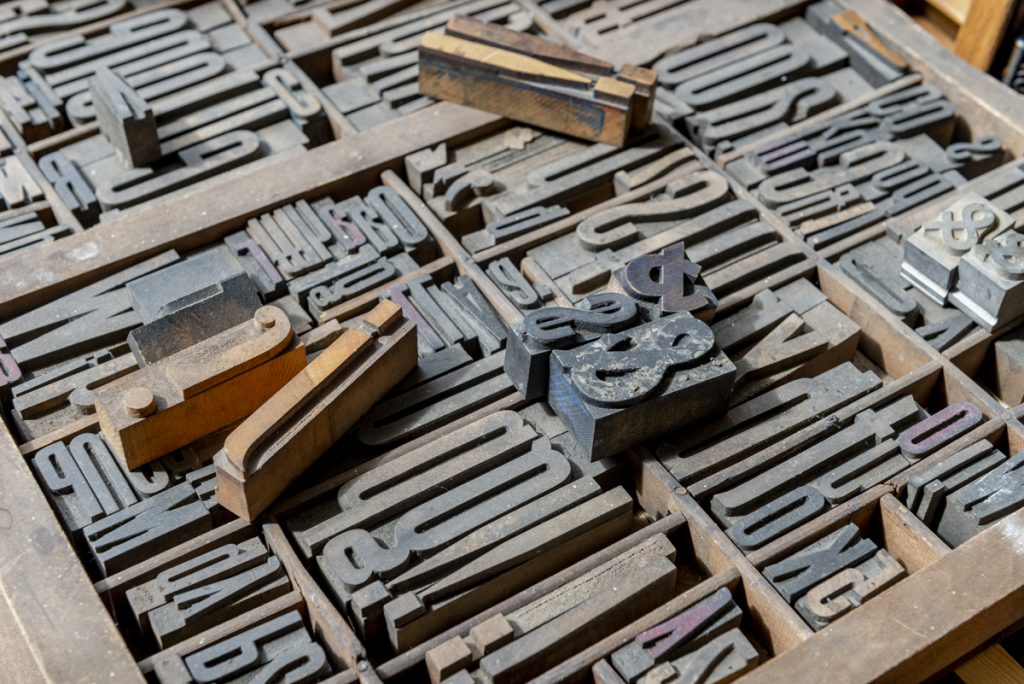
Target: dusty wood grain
(209, 211)
(47, 597)
(926, 621)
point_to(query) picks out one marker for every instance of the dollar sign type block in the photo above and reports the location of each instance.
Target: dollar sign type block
(667, 283)
(628, 387)
(932, 254)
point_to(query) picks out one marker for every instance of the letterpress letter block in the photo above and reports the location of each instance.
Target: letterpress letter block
(980, 504)
(279, 649)
(721, 660)
(627, 387)
(200, 592)
(851, 587)
(818, 561)
(135, 533)
(687, 631)
(926, 492)
(125, 118)
(82, 480)
(533, 339)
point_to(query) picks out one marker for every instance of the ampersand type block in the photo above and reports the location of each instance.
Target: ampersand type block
(532, 340)
(932, 254)
(990, 282)
(627, 387)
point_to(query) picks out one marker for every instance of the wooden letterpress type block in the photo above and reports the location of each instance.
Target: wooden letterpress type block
(777, 517)
(553, 626)
(869, 54)
(978, 505)
(82, 480)
(849, 588)
(508, 227)
(277, 648)
(668, 283)
(939, 429)
(200, 592)
(125, 118)
(869, 265)
(436, 402)
(627, 387)
(95, 315)
(272, 446)
(514, 285)
(1009, 359)
(721, 660)
(756, 424)
(990, 281)
(686, 632)
(135, 533)
(818, 561)
(926, 492)
(199, 390)
(188, 302)
(946, 332)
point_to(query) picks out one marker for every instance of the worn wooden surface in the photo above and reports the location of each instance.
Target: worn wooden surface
(437, 179)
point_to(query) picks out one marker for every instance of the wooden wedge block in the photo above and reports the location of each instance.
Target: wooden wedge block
(283, 437)
(526, 89)
(645, 80)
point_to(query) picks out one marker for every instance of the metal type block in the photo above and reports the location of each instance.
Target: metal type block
(628, 387)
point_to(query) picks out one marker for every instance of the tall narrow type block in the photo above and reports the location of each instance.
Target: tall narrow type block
(627, 387)
(283, 437)
(526, 89)
(125, 118)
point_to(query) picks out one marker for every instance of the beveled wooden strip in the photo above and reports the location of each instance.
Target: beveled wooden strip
(46, 591)
(928, 620)
(210, 210)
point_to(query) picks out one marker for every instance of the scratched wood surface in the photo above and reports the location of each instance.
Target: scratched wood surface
(317, 113)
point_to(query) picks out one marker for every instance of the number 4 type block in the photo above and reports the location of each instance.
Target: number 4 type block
(628, 387)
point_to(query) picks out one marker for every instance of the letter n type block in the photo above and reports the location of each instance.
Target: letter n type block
(125, 118)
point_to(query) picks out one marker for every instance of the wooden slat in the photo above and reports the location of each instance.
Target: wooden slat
(922, 624)
(212, 209)
(992, 666)
(982, 31)
(47, 596)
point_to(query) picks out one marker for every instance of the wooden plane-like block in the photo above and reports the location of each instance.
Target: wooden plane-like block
(526, 89)
(645, 80)
(190, 394)
(283, 437)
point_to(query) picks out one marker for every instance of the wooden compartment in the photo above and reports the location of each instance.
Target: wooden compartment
(66, 621)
